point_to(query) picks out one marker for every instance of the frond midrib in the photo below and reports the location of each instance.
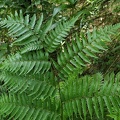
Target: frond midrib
(25, 105)
(79, 98)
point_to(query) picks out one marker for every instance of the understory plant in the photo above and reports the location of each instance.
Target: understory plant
(44, 76)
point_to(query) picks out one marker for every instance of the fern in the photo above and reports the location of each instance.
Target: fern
(25, 30)
(90, 94)
(41, 86)
(37, 45)
(29, 32)
(34, 62)
(21, 28)
(79, 95)
(115, 114)
(43, 83)
(55, 37)
(20, 108)
(78, 56)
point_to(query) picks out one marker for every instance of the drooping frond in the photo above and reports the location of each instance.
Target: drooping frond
(18, 26)
(23, 108)
(56, 36)
(35, 62)
(91, 95)
(41, 86)
(82, 50)
(23, 29)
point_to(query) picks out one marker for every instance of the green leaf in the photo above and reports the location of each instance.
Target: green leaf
(108, 104)
(84, 57)
(89, 104)
(97, 45)
(89, 37)
(95, 106)
(33, 21)
(23, 37)
(26, 20)
(89, 53)
(39, 23)
(47, 26)
(79, 61)
(84, 107)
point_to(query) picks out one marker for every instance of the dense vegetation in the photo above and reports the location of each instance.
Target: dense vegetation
(59, 60)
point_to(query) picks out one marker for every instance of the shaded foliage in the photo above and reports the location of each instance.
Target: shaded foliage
(59, 60)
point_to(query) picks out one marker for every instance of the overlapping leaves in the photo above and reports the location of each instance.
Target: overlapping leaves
(23, 108)
(40, 86)
(26, 29)
(83, 50)
(91, 95)
(34, 62)
(56, 36)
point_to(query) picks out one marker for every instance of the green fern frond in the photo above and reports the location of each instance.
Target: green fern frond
(23, 108)
(23, 29)
(41, 86)
(115, 114)
(81, 52)
(32, 89)
(90, 94)
(14, 82)
(37, 45)
(35, 62)
(56, 36)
